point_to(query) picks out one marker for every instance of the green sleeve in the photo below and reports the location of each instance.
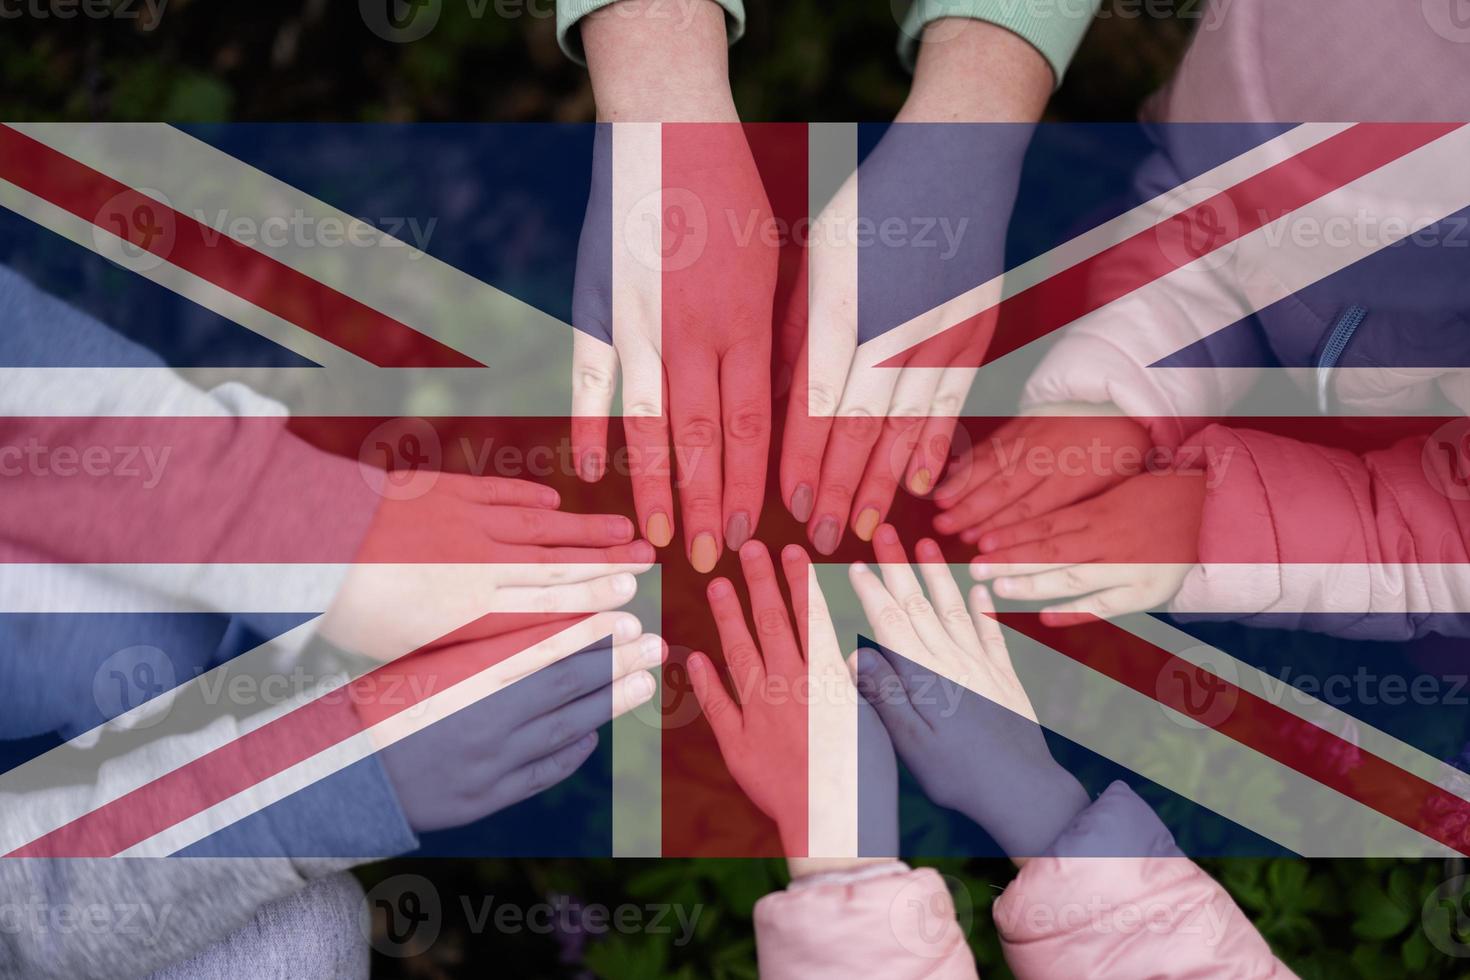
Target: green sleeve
(568, 12)
(1054, 28)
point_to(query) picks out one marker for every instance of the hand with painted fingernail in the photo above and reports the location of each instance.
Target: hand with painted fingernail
(546, 697)
(766, 732)
(488, 550)
(945, 688)
(1030, 466)
(1126, 550)
(860, 425)
(677, 299)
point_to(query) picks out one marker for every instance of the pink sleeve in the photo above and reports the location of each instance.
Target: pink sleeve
(1318, 536)
(1076, 914)
(898, 926)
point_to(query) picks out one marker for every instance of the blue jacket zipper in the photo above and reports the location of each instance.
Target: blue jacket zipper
(1337, 341)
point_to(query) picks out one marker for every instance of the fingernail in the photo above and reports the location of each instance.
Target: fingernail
(887, 535)
(587, 742)
(1003, 585)
(705, 553)
(589, 467)
(737, 530)
(659, 531)
(866, 524)
(979, 569)
(620, 528)
(625, 584)
(827, 535)
(650, 651)
(626, 628)
(642, 551)
(989, 542)
(718, 589)
(640, 688)
(922, 482)
(944, 524)
(549, 497)
(801, 503)
(969, 535)
(867, 661)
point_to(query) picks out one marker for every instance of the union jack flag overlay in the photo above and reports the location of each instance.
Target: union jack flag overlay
(303, 553)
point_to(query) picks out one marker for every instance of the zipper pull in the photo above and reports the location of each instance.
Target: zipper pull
(1337, 341)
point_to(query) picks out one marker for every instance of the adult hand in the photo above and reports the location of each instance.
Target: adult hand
(1037, 464)
(923, 220)
(946, 690)
(764, 733)
(534, 731)
(1127, 550)
(676, 274)
(471, 546)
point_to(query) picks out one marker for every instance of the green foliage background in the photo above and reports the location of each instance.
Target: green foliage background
(212, 60)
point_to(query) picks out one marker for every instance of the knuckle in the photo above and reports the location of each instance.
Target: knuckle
(947, 404)
(917, 605)
(642, 412)
(770, 622)
(957, 615)
(1072, 579)
(821, 398)
(564, 685)
(892, 617)
(747, 422)
(859, 424)
(700, 431)
(744, 653)
(594, 380)
(560, 733)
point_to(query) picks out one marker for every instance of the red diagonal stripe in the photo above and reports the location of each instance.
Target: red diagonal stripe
(215, 257)
(1259, 725)
(1081, 289)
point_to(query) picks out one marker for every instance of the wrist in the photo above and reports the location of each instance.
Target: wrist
(649, 67)
(973, 71)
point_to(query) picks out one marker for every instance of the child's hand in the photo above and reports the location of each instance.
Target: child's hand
(1037, 464)
(945, 689)
(1127, 550)
(470, 546)
(539, 725)
(764, 737)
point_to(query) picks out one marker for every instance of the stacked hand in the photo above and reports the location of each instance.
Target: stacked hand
(535, 730)
(1126, 550)
(944, 685)
(473, 546)
(854, 431)
(676, 274)
(763, 733)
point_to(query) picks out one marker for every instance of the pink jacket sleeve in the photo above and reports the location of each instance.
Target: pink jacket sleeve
(899, 925)
(1074, 913)
(1318, 536)
(1070, 914)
